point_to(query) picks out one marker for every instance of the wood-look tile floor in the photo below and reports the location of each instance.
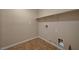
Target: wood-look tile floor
(35, 44)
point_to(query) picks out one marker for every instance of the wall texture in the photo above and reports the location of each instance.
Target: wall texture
(66, 30)
(64, 26)
(0, 29)
(17, 25)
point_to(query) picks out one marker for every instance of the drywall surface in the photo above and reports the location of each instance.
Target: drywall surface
(0, 33)
(17, 25)
(66, 30)
(47, 12)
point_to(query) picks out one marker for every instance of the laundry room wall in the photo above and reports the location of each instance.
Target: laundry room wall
(17, 25)
(64, 26)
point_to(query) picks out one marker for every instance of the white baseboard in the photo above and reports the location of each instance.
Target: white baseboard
(51, 43)
(6, 47)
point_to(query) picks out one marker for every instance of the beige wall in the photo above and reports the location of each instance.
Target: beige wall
(47, 12)
(66, 30)
(0, 33)
(64, 26)
(17, 25)
(69, 31)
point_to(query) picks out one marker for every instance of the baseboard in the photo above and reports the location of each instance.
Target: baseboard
(6, 47)
(51, 43)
